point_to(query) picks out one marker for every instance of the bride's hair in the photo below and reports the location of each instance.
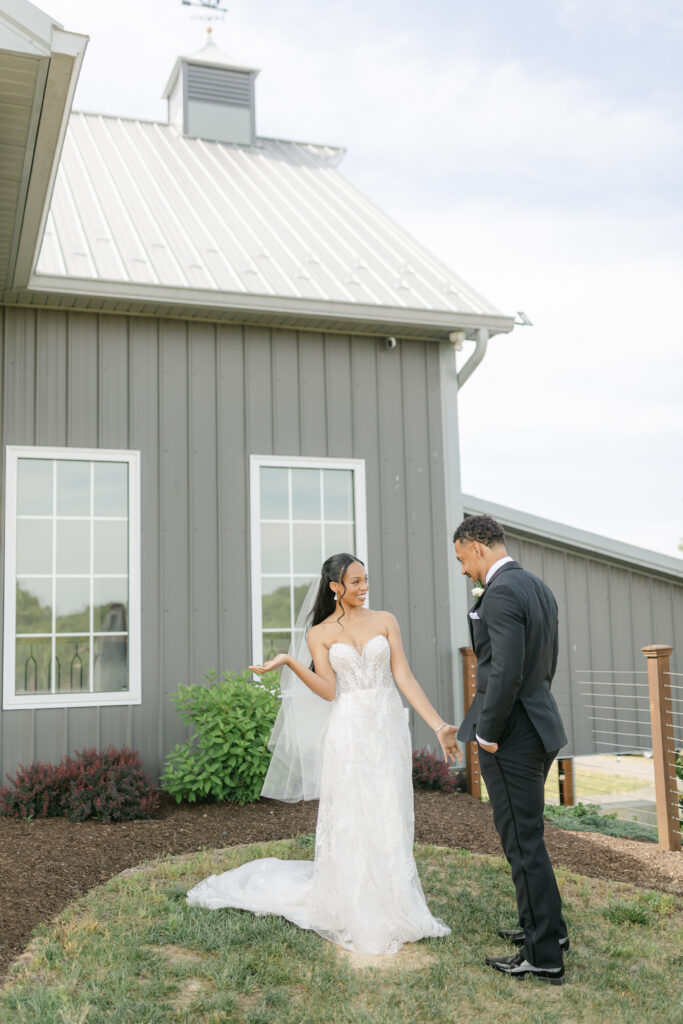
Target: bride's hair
(332, 572)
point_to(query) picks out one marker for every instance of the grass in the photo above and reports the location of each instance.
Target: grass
(132, 952)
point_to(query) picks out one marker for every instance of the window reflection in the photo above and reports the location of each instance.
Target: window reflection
(110, 664)
(111, 547)
(34, 487)
(72, 665)
(305, 494)
(339, 537)
(338, 490)
(34, 546)
(32, 665)
(275, 547)
(34, 605)
(72, 606)
(111, 489)
(274, 493)
(276, 603)
(307, 541)
(73, 488)
(110, 605)
(275, 643)
(73, 545)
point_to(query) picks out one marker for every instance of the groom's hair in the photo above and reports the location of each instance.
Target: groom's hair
(484, 529)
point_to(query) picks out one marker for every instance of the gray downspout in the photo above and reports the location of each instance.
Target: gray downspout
(451, 382)
(476, 357)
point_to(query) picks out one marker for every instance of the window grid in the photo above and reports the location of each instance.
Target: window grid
(58, 692)
(54, 676)
(357, 524)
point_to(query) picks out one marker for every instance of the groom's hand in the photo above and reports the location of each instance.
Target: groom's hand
(449, 743)
(491, 747)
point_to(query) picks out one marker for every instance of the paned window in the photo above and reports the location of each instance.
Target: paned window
(72, 608)
(303, 511)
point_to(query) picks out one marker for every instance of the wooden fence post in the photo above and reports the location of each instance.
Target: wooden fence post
(469, 679)
(565, 771)
(663, 753)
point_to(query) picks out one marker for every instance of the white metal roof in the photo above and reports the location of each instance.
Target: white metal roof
(139, 210)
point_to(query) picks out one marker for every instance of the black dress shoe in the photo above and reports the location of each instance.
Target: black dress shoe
(516, 937)
(518, 967)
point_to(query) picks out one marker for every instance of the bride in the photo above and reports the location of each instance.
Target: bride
(352, 748)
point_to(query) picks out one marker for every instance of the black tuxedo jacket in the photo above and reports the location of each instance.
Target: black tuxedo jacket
(514, 634)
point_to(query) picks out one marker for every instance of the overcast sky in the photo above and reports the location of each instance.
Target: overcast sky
(536, 147)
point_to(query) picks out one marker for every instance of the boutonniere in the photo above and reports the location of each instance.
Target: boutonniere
(478, 590)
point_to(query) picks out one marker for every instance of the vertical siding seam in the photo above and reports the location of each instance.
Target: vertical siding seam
(406, 502)
(219, 495)
(160, 537)
(248, 497)
(189, 433)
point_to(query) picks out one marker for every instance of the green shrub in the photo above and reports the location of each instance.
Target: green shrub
(227, 756)
(590, 818)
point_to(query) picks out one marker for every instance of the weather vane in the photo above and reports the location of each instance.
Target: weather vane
(213, 8)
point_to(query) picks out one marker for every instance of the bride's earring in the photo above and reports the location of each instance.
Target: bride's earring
(336, 597)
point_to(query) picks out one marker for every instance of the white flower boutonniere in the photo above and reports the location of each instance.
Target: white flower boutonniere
(478, 590)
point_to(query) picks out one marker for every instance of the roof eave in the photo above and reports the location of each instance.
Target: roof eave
(44, 150)
(281, 310)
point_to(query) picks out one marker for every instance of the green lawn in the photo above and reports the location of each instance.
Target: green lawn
(132, 951)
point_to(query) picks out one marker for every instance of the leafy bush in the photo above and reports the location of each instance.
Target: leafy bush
(588, 818)
(430, 771)
(227, 756)
(108, 785)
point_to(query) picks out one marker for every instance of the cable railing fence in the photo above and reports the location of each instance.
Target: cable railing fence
(636, 770)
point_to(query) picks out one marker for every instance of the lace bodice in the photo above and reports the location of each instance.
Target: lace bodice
(368, 670)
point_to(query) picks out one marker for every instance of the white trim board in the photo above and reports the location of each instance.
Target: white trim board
(85, 699)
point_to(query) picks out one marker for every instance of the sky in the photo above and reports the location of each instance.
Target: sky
(537, 148)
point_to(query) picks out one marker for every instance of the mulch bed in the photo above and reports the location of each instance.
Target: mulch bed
(45, 864)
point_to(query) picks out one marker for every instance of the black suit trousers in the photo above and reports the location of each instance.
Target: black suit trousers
(515, 776)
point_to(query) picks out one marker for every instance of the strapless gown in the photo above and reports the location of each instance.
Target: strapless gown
(362, 891)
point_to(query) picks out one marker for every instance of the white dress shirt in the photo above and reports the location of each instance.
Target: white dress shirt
(494, 569)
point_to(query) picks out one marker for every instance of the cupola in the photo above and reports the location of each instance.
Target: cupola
(211, 97)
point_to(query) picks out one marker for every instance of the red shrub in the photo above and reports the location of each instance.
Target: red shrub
(430, 771)
(108, 785)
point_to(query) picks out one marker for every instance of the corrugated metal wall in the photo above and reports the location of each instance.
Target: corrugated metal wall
(196, 400)
(608, 611)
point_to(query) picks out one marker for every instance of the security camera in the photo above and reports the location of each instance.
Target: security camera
(390, 343)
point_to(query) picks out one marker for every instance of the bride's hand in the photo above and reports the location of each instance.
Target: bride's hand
(276, 662)
(449, 743)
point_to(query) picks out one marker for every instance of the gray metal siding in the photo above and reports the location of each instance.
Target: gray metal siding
(607, 613)
(197, 399)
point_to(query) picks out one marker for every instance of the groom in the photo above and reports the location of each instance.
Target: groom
(515, 721)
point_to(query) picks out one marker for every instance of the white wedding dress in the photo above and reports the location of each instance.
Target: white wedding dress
(362, 890)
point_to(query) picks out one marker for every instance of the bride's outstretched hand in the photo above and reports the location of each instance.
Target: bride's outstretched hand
(276, 662)
(449, 743)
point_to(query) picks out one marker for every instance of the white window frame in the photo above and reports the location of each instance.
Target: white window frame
(11, 701)
(296, 462)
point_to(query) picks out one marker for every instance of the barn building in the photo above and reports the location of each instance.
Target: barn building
(220, 364)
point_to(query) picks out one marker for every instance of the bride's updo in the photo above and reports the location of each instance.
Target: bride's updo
(332, 572)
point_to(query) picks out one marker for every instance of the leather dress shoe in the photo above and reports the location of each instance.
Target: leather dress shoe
(518, 967)
(516, 937)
